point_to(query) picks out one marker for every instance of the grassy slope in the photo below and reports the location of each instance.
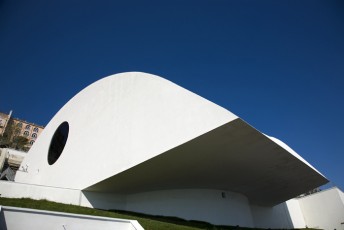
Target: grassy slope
(148, 222)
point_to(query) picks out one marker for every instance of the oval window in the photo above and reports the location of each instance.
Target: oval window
(58, 142)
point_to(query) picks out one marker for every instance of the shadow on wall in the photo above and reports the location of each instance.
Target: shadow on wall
(2, 220)
(272, 217)
(277, 217)
(210, 206)
(102, 200)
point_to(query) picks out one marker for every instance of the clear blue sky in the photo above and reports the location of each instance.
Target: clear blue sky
(279, 65)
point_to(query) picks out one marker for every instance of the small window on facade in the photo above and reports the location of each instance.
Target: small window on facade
(20, 125)
(34, 135)
(31, 142)
(26, 133)
(35, 129)
(28, 127)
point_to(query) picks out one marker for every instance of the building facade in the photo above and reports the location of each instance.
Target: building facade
(16, 127)
(159, 149)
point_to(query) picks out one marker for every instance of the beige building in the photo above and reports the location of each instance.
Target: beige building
(19, 128)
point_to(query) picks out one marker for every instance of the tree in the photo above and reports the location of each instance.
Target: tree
(20, 143)
(312, 191)
(12, 139)
(6, 138)
(315, 190)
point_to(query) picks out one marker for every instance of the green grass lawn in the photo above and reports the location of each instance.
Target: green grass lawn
(148, 222)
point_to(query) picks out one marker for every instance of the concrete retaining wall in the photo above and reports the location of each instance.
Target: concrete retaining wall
(323, 210)
(19, 190)
(41, 220)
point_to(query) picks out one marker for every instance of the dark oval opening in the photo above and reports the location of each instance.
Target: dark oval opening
(58, 142)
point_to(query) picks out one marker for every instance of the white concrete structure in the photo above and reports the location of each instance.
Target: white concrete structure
(160, 149)
(324, 209)
(14, 157)
(42, 220)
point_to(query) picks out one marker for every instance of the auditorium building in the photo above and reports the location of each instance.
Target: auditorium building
(138, 142)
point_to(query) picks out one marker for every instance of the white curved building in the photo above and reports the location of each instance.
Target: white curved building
(137, 142)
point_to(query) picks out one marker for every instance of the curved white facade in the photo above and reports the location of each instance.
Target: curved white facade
(117, 123)
(141, 143)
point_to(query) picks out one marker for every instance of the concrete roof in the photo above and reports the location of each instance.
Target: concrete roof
(234, 157)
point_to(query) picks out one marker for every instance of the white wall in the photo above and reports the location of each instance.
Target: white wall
(12, 189)
(341, 195)
(295, 213)
(324, 209)
(15, 152)
(272, 217)
(203, 205)
(41, 220)
(189, 204)
(11, 154)
(102, 200)
(286, 215)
